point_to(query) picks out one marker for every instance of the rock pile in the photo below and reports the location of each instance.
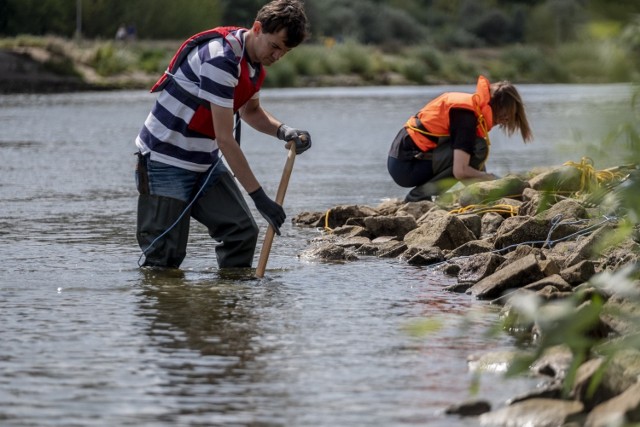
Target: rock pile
(517, 237)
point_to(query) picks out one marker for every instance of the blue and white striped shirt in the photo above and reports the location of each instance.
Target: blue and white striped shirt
(210, 73)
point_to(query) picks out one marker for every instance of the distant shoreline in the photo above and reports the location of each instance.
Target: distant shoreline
(19, 73)
(49, 64)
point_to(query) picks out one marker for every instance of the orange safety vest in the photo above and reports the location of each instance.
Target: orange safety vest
(433, 119)
(202, 121)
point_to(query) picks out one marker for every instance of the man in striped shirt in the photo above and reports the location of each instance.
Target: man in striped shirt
(179, 175)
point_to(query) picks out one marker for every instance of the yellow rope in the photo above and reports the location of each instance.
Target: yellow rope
(326, 221)
(591, 177)
(479, 208)
(424, 132)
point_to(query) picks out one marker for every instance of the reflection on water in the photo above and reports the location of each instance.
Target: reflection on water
(89, 339)
(210, 331)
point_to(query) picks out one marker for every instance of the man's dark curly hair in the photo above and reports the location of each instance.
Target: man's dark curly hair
(288, 14)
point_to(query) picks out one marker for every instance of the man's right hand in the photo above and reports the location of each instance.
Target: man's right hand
(270, 210)
(301, 138)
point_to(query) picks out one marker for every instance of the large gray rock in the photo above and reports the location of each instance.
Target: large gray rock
(622, 410)
(415, 209)
(490, 191)
(515, 275)
(490, 222)
(478, 267)
(621, 372)
(397, 226)
(565, 179)
(444, 232)
(557, 222)
(533, 413)
(340, 215)
(330, 252)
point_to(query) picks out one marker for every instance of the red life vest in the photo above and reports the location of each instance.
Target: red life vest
(433, 119)
(202, 122)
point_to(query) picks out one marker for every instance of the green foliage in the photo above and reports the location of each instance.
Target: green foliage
(357, 59)
(109, 60)
(281, 74)
(153, 60)
(572, 321)
(530, 63)
(461, 23)
(61, 66)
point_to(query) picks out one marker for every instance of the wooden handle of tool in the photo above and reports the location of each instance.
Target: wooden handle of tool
(282, 189)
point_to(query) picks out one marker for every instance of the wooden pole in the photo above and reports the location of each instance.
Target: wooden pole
(282, 189)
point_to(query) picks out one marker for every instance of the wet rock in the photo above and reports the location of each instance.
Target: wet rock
(621, 372)
(555, 280)
(469, 408)
(550, 292)
(623, 409)
(624, 254)
(432, 215)
(533, 413)
(392, 250)
(330, 252)
(397, 226)
(522, 251)
(584, 250)
(490, 222)
(423, 256)
(578, 273)
(552, 390)
(473, 222)
(311, 219)
(458, 288)
(451, 269)
(389, 206)
(488, 191)
(445, 232)
(353, 242)
(621, 314)
(495, 362)
(536, 202)
(340, 215)
(516, 275)
(565, 179)
(415, 209)
(384, 244)
(555, 362)
(564, 210)
(478, 267)
(471, 248)
(347, 231)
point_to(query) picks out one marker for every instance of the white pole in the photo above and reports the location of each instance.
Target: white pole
(78, 19)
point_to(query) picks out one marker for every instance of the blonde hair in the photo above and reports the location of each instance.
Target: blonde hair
(506, 102)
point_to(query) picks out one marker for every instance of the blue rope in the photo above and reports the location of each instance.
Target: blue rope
(555, 224)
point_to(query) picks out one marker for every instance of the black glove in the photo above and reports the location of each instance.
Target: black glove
(270, 210)
(301, 137)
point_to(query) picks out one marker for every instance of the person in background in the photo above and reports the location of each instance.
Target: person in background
(448, 139)
(179, 173)
(121, 33)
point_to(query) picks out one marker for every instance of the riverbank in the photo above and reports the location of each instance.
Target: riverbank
(541, 247)
(54, 64)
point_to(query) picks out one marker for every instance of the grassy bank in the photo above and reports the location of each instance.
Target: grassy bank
(136, 64)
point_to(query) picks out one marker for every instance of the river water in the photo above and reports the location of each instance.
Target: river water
(88, 339)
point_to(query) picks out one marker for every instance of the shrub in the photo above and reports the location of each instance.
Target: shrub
(109, 60)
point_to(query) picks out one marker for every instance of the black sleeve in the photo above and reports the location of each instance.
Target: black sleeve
(462, 125)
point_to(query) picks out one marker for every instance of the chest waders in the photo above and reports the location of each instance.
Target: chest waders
(163, 225)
